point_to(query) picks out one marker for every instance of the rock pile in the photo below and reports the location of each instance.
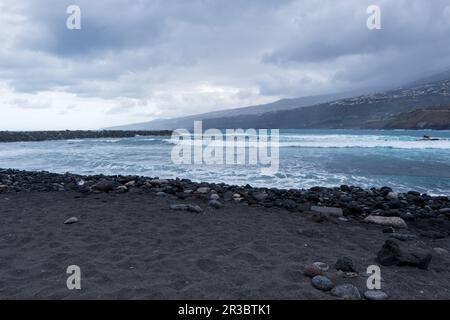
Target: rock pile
(374, 205)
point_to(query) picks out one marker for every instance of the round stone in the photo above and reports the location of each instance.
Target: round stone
(322, 283)
(322, 266)
(375, 295)
(311, 271)
(346, 291)
(345, 264)
(215, 204)
(392, 195)
(214, 196)
(203, 190)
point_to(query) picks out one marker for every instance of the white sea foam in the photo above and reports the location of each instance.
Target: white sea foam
(361, 141)
(338, 141)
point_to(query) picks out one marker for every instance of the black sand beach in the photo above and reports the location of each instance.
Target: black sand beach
(132, 241)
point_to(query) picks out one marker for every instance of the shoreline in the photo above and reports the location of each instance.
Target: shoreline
(149, 238)
(352, 200)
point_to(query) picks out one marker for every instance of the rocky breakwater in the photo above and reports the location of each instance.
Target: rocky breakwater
(16, 136)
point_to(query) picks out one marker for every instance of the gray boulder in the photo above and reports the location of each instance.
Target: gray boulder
(345, 264)
(215, 204)
(346, 292)
(260, 196)
(104, 186)
(375, 295)
(335, 212)
(394, 253)
(322, 283)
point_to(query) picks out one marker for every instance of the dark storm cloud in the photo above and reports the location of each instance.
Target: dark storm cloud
(179, 32)
(414, 38)
(127, 25)
(125, 36)
(177, 57)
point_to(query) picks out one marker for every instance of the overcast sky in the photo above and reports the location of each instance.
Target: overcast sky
(137, 60)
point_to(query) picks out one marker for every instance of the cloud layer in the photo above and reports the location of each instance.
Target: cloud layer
(138, 60)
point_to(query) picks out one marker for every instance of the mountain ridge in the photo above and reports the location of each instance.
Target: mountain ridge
(282, 104)
(322, 112)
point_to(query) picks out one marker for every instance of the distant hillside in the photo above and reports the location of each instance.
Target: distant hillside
(322, 112)
(353, 113)
(187, 122)
(437, 118)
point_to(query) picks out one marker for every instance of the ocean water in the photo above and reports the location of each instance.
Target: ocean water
(366, 158)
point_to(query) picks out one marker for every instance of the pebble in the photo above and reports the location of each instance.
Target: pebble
(392, 195)
(121, 189)
(203, 190)
(315, 269)
(186, 207)
(215, 204)
(311, 271)
(104, 186)
(161, 194)
(228, 196)
(322, 266)
(214, 196)
(160, 181)
(335, 212)
(346, 292)
(71, 220)
(195, 208)
(130, 184)
(345, 264)
(322, 283)
(260, 196)
(395, 222)
(375, 295)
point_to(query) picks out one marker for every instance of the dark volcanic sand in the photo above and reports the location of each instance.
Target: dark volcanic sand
(132, 246)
